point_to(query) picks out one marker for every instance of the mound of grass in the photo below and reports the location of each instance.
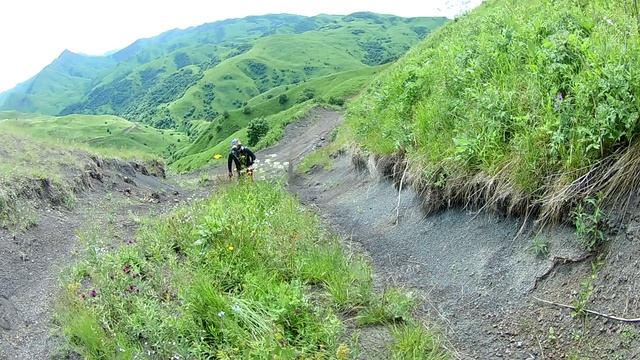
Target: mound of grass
(29, 167)
(515, 101)
(230, 277)
(415, 342)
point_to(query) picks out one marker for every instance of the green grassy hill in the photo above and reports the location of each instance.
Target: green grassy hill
(215, 137)
(198, 73)
(106, 134)
(67, 78)
(528, 105)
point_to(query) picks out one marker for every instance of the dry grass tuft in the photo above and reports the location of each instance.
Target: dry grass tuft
(615, 177)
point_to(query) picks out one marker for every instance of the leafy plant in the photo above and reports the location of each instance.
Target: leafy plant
(590, 222)
(540, 247)
(586, 290)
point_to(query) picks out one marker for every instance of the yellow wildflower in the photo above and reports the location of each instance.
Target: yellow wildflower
(343, 352)
(230, 248)
(217, 156)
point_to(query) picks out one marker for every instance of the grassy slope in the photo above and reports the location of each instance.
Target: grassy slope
(24, 157)
(277, 122)
(38, 167)
(529, 93)
(104, 133)
(68, 77)
(49, 152)
(215, 138)
(245, 274)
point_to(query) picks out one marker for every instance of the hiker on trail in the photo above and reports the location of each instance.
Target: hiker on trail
(243, 158)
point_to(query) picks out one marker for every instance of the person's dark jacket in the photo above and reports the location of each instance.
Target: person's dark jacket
(242, 157)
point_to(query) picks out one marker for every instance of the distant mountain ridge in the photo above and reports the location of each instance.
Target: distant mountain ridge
(201, 72)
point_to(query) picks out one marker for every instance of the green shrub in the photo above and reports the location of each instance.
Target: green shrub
(256, 130)
(336, 101)
(540, 247)
(590, 222)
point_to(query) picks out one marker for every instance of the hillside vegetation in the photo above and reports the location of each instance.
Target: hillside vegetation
(39, 170)
(526, 105)
(201, 72)
(109, 135)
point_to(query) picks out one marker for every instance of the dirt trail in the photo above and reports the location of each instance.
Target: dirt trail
(32, 261)
(303, 136)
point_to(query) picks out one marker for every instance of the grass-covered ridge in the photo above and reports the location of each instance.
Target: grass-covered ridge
(514, 101)
(109, 135)
(248, 273)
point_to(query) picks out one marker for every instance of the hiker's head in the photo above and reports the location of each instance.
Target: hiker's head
(235, 144)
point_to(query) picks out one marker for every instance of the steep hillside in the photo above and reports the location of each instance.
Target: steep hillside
(529, 107)
(67, 78)
(109, 135)
(200, 72)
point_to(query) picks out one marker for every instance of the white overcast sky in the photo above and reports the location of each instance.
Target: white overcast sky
(34, 32)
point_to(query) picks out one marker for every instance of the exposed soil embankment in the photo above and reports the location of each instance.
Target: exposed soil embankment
(476, 271)
(111, 196)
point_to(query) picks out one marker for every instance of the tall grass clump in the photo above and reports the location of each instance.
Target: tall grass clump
(517, 97)
(414, 342)
(247, 274)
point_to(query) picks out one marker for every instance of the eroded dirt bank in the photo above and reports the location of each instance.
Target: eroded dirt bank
(477, 277)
